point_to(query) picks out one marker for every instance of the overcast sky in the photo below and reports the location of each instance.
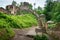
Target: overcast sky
(40, 3)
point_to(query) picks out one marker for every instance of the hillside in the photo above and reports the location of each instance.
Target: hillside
(17, 21)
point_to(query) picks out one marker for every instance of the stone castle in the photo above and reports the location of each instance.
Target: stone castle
(11, 9)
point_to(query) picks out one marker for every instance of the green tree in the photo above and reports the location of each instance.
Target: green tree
(48, 8)
(14, 3)
(38, 10)
(56, 11)
(30, 6)
(21, 3)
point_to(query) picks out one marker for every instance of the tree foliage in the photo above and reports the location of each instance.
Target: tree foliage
(14, 3)
(48, 8)
(56, 12)
(38, 10)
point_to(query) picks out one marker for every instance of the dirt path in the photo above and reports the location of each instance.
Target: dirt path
(20, 34)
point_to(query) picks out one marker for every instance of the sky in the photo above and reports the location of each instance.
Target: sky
(40, 3)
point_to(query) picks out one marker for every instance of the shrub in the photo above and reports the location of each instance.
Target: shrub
(17, 21)
(6, 33)
(14, 21)
(39, 37)
(7, 22)
(5, 29)
(51, 26)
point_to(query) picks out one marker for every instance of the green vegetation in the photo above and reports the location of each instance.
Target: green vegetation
(39, 10)
(25, 19)
(6, 33)
(7, 22)
(39, 37)
(52, 10)
(56, 12)
(17, 21)
(51, 26)
(48, 9)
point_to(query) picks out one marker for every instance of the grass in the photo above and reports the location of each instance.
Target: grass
(17, 21)
(6, 33)
(7, 22)
(51, 26)
(39, 37)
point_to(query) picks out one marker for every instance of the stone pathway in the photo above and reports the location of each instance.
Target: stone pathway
(21, 34)
(31, 31)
